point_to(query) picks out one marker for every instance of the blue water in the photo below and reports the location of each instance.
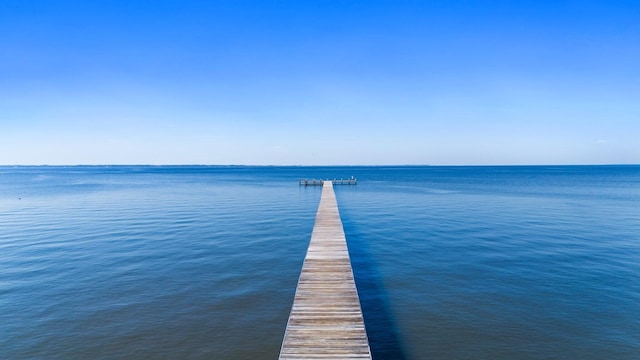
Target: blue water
(131, 262)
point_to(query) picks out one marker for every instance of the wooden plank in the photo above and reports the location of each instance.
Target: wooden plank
(326, 319)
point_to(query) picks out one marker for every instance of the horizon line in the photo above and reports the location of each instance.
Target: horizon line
(311, 165)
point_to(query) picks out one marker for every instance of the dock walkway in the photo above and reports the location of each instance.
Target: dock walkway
(326, 319)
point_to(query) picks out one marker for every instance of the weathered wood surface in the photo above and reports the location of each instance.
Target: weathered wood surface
(326, 319)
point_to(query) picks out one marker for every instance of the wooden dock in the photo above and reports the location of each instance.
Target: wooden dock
(326, 319)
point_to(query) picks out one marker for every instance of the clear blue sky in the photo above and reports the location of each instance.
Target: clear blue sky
(319, 82)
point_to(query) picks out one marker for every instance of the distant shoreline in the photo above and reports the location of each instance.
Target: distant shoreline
(301, 166)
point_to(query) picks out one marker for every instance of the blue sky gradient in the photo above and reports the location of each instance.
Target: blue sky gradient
(319, 82)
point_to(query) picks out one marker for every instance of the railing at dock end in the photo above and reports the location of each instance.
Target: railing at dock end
(320, 182)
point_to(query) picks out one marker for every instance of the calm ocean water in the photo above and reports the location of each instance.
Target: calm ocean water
(135, 262)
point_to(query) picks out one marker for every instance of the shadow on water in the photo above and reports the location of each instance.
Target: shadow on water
(384, 339)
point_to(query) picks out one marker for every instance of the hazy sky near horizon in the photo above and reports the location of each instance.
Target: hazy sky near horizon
(319, 82)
